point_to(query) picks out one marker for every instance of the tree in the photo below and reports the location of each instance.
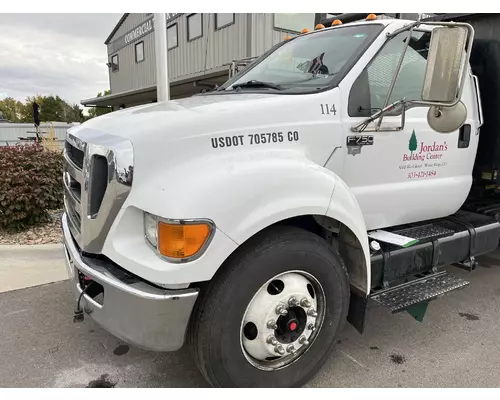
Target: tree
(27, 108)
(96, 111)
(412, 146)
(11, 109)
(52, 108)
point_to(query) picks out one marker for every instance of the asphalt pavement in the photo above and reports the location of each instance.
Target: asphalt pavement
(457, 345)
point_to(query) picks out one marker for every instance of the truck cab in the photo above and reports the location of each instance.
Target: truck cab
(252, 222)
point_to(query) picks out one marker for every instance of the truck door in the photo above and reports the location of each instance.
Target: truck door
(409, 175)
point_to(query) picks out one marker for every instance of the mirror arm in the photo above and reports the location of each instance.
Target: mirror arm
(404, 28)
(396, 74)
(363, 124)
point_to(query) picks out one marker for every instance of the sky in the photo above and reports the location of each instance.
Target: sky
(58, 54)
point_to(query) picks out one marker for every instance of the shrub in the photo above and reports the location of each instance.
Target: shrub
(30, 185)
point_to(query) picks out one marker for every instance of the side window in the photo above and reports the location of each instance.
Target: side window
(370, 90)
(114, 63)
(172, 36)
(194, 26)
(139, 52)
(223, 20)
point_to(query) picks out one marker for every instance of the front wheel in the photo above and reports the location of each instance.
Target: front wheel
(272, 315)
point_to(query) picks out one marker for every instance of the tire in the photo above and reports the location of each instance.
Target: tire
(216, 325)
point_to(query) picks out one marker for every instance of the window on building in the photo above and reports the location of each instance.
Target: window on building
(114, 63)
(371, 88)
(139, 52)
(194, 26)
(223, 20)
(172, 36)
(293, 22)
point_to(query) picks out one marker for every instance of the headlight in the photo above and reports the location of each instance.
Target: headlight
(178, 240)
(151, 229)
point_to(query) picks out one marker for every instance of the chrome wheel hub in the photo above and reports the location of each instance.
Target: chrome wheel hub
(282, 320)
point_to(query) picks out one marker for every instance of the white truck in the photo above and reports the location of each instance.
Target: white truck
(252, 222)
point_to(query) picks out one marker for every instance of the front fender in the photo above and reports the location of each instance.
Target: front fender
(245, 195)
(242, 193)
(242, 196)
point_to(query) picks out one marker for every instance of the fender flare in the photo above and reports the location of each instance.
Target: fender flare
(345, 209)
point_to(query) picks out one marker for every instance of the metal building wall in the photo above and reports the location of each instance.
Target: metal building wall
(10, 133)
(132, 75)
(263, 34)
(215, 49)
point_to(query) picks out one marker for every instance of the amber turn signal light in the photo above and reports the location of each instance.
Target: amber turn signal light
(182, 240)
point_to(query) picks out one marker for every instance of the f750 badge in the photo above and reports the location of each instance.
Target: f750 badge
(356, 142)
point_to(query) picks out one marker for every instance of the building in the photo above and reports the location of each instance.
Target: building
(201, 49)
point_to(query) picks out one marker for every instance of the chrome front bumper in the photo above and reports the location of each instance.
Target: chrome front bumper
(138, 313)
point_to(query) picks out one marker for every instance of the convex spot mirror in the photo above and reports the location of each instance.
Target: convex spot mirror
(445, 63)
(447, 119)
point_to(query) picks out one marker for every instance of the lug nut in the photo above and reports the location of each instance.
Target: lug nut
(311, 327)
(272, 340)
(305, 303)
(303, 340)
(291, 349)
(312, 312)
(293, 302)
(272, 324)
(279, 349)
(281, 310)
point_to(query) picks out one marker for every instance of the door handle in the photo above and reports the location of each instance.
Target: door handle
(464, 136)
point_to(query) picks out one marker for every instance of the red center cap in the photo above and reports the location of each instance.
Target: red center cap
(292, 326)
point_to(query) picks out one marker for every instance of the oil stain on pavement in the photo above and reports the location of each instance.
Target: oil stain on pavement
(398, 358)
(469, 317)
(101, 382)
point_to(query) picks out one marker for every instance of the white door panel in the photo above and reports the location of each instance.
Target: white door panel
(409, 175)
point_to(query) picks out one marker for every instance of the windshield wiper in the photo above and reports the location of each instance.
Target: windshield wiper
(256, 84)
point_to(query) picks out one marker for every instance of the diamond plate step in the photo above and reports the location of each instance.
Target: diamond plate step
(420, 290)
(425, 232)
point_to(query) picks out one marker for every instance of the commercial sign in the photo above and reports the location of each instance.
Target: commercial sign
(137, 32)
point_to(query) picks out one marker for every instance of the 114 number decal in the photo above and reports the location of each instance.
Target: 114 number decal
(327, 109)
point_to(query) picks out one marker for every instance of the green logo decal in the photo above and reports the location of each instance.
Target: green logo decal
(412, 146)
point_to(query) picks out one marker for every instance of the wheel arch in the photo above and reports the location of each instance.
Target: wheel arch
(336, 232)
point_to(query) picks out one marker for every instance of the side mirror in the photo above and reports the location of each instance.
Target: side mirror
(445, 65)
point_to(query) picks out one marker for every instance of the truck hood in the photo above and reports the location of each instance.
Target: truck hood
(203, 130)
(179, 117)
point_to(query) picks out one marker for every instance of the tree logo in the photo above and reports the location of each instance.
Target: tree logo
(412, 146)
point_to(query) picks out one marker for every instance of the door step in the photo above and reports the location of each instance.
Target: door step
(425, 232)
(421, 290)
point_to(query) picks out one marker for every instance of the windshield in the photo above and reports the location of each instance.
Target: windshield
(308, 62)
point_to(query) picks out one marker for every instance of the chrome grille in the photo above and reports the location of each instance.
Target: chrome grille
(72, 180)
(97, 179)
(74, 154)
